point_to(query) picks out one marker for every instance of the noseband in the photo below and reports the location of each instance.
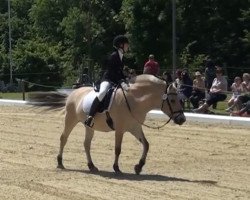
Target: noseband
(165, 98)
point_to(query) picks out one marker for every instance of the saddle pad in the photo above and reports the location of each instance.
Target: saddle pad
(104, 104)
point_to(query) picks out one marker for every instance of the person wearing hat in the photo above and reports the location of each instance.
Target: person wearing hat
(151, 66)
(113, 74)
(198, 92)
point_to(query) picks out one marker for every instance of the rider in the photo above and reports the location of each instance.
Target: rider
(114, 74)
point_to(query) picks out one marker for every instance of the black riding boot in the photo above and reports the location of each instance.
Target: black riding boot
(92, 112)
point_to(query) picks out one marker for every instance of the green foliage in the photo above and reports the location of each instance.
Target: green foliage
(52, 39)
(215, 28)
(38, 61)
(147, 23)
(192, 62)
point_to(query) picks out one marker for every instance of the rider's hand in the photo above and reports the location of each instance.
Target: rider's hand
(124, 85)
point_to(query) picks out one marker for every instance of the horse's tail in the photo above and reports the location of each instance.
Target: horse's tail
(52, 100)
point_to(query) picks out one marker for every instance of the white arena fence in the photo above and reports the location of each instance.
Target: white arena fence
(193, 117)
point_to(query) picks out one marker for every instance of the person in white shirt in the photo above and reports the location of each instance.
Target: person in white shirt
(216, 93)
(237, 89)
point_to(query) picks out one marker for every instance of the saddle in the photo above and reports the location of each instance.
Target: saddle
(104, 105)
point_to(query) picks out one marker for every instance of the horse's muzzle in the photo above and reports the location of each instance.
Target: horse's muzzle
(179, 119)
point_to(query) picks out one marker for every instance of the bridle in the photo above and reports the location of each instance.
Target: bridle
(164, 98)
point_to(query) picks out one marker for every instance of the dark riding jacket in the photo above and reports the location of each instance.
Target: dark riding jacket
(114, 69)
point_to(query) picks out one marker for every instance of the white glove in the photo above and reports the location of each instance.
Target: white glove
(124, 86)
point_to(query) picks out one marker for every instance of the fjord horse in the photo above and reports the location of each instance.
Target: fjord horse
(128, 112)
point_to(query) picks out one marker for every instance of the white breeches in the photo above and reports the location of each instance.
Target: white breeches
(105, 85)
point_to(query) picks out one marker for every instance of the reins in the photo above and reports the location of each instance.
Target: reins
(142, 123)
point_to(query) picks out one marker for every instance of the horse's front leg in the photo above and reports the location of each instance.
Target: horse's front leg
(89, 133)
(138, 133)
(118, 144)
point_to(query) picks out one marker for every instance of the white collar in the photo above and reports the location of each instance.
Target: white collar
(120, 52)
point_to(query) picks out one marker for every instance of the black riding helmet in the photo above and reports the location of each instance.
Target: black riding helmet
(120, 39)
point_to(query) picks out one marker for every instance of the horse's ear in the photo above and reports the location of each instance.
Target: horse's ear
(174, 84)
(171, 87)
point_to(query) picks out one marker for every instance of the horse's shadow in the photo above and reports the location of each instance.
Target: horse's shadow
(141, 177)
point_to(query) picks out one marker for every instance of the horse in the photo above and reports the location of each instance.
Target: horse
(145, 93)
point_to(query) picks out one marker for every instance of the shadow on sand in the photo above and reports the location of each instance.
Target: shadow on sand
(141, 177)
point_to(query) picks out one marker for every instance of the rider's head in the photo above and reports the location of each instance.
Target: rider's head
(121, 42)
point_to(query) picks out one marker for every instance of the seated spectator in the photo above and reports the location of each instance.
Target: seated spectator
(185, 89)
(244, 97)
(244, 111)
(167, 77)
(216, 93)
(126, 71)
(178, 80)
(151, 66)
(246, 82)
(210, 74)
(237, 89)
(198, 92)
(132, 73)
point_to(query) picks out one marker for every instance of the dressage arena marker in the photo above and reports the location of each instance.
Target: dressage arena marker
(194, 117)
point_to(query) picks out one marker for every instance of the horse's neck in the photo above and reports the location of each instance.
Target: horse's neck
(147, 96)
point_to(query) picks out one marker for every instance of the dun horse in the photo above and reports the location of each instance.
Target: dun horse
(128, 112)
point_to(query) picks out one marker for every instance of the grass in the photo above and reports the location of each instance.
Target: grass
(220, 109)
(11, 95)
(221, 106)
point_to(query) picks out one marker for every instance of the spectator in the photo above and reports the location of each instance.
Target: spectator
(246, 82)
(85, 79)
(151, 66)
(198, 92)
(126, 71)
(237, 89)
(132, 73)
(210, 74)
(244, 111)
(185, 89)
(216, 93)
(167, 77)
(178, 79)
(241, 99)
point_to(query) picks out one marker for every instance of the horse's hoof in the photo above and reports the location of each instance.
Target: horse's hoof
(93, 168)
(118, 172)
(117, 169)
(137, 169)
(60, 167)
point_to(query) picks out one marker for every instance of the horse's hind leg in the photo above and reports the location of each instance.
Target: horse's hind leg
(118, 144)
(138, 133)
(69, 124)
(89, 133)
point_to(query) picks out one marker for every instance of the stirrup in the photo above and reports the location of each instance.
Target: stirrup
(89, 122)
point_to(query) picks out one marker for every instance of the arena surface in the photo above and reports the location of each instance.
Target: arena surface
(193, 161)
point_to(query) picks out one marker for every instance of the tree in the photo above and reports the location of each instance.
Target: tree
(213, 28)
(149, 26)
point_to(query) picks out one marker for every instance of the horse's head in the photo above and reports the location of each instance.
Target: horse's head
(171, 105)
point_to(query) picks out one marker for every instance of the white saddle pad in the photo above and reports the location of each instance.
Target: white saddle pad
(89, 98)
